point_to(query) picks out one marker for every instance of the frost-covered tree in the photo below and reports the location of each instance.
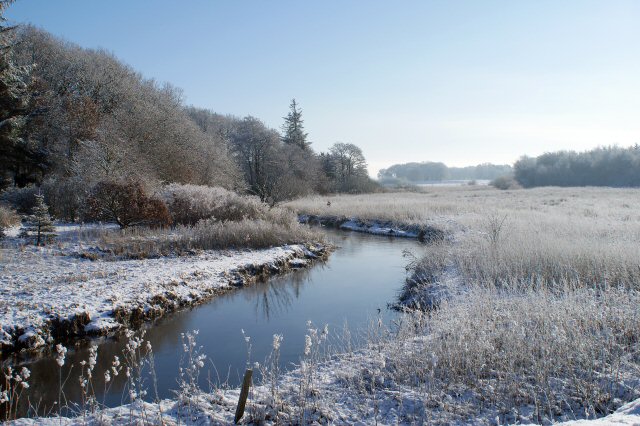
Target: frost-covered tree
(16, 156)
(292, 129)
(39, 225)
(346, 168)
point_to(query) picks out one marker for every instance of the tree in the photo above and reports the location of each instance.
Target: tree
(293, 130)
(255, 148)
(17, 157)
(39, 225)
(348, 164)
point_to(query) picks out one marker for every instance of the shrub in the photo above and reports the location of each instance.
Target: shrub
(65, 197)
(8, 217)
(505, 182)
(127, 204)
(21, 199)
(189, 204)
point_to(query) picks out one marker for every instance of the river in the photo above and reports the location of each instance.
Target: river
(352, 288)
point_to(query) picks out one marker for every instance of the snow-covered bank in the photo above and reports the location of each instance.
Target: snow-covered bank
(49, 293)
(349, 389)
(425, 233)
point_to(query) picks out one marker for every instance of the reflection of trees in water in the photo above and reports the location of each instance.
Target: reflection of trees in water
(278, 294)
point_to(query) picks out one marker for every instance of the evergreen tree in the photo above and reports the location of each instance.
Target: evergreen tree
(293, 131)
(39, 225)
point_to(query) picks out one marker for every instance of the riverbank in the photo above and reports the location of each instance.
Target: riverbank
(56, 293)
(425, 233)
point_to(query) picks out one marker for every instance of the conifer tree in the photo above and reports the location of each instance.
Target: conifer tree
(39, 225)
(293, 130)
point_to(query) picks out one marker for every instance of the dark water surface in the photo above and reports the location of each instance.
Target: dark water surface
(360, 277)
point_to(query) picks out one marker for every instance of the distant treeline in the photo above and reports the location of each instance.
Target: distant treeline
(433, 171)
(606, 166)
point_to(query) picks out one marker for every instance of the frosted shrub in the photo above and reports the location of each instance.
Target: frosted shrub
(189, 204)
(191, 362)
(8, 217)
(15, 382)
(309, 397)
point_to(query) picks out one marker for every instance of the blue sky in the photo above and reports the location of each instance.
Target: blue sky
(462, 82)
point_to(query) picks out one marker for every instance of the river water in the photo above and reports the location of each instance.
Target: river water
(352, 288)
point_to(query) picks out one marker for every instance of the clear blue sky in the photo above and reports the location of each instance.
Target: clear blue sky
(461, 82)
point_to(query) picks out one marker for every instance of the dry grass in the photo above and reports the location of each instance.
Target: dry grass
(468, 204)
(520, 356)
(569, 236)
(140, 243)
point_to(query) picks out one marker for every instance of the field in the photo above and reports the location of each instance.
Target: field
(531, 305)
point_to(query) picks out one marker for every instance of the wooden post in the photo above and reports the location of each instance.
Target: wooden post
(244, 393)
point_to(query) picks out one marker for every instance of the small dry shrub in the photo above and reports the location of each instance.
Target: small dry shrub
(505, 182)
(8, 217)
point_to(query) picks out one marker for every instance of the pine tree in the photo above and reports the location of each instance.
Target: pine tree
(39, 225)
(293, 130)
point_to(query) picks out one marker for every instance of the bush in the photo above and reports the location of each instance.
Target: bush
(65, 197)
(8, 217)
(127, 204)
(189, 204)
(23, 200)
(505, 182)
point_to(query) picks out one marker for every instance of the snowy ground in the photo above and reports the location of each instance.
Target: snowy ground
(45, 286)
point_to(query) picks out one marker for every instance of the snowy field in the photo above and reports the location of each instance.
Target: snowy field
(44, 288)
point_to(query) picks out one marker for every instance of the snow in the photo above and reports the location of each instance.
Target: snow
(628, 414)
(45, 284)
(377, 228)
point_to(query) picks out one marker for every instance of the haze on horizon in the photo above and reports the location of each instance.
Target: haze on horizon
(459, 82)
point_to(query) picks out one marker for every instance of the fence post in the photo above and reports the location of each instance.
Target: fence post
(244, 393)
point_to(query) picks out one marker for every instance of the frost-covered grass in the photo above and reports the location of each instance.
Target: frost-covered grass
(532, 305)
(207, 235)
(529, 313)
(466, 205)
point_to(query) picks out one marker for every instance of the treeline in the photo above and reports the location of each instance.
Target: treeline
(605, 166)
(435, 171)
(72, 117)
